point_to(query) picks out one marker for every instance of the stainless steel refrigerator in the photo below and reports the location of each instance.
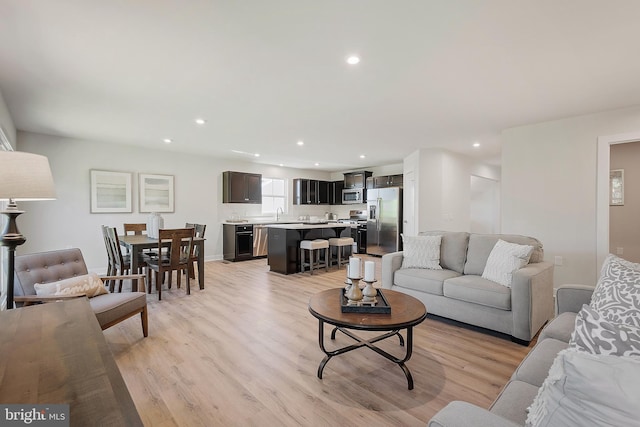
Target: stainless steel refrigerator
(384, 221)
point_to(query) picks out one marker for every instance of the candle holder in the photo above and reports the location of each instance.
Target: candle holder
(369, 293)
(354, 294)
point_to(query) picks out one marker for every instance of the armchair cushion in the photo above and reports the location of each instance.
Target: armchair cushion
(86, 284)
(111, 308)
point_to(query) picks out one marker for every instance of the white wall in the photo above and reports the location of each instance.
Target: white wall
(66, 222)
(443, 188)
(549, 186)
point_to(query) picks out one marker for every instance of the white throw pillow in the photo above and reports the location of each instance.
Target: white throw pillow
(504, 259)
(583, 389)
(421, 252)
(88, 284)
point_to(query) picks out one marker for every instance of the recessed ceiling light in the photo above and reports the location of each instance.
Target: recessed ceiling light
(362, 156)
(353, 60)
(256, 155)
(281, 164)
(476, 144)
(317, 164)
(200, 121)
(300, 143)
(167, 140)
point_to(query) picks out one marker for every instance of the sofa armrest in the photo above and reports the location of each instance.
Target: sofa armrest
(463, 414)
(572, 297)
(531, 299)
(390, 264)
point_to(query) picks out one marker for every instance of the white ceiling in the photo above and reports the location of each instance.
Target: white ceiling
(266, 73)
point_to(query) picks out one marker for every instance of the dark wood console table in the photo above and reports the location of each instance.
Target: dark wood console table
(56, 353)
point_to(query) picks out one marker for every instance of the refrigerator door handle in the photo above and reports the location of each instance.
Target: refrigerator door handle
(379, 206)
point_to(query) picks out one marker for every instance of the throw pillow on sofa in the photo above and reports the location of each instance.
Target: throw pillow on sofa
(596, 335)
(504, 259)
(617, 294)
(88, 284)
(588, 390)
(421, 252)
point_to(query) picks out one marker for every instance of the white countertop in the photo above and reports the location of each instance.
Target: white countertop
(307, 226)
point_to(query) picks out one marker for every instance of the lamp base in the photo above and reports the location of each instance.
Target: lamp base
(11, 238)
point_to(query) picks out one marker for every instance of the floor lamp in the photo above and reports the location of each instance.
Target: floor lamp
(23, 176)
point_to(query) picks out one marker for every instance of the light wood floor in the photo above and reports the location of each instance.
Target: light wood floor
(244, 351)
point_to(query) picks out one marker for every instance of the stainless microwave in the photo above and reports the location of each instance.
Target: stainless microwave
(353, 195)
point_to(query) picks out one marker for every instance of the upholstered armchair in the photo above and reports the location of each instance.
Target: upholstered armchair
(54, 266)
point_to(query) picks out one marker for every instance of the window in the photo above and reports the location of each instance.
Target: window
(274, 195)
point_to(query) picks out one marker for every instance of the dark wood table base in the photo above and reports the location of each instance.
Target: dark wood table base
(369, 344)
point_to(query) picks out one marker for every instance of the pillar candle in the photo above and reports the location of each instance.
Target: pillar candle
(354, 267)
(369, 271)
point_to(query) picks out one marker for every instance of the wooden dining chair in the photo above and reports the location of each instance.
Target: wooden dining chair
(199, 230)
(136, 229)
(110, 257)
(121, 263)
(177, 259)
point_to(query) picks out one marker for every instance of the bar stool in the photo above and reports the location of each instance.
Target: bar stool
(314, 247)
(340, 243)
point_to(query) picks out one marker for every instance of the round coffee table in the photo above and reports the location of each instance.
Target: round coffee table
(406, 312)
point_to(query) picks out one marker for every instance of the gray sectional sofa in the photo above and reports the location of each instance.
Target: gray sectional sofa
(459, 292)
(510, 407)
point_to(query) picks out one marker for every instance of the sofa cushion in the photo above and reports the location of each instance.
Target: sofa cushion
(504, 259)
(477, 290)
(513, 401)
(617, 294)
(453, 248)
(421, 252)
(535, 366)
(423, 280)
(583, 389)
(111, 307)
(594, 334)
(480, 246)
(560, 328)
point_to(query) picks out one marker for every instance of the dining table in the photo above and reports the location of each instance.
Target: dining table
(137, 243)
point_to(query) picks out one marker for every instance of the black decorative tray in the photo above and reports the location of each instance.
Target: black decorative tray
(381, 306)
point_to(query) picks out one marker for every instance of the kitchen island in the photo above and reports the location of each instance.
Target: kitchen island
(284, 242)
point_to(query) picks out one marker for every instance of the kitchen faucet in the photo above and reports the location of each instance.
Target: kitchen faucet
(278, 213)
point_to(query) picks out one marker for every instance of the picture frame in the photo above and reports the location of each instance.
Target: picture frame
(156, 193)
(111, 191)
(616, 187)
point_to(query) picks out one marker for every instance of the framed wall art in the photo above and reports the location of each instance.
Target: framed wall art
(156, 193)
(616, 187)
(110, 192)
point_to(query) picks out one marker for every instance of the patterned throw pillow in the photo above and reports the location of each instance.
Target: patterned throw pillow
(594, 334)
(421, 252)
(504, 259)
(617, 294)
(88, 284)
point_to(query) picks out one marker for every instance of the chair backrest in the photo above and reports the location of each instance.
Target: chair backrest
(134, 228)
(107, 244)
(181, 248)
(116, 250)
(199, 230)
(46, 267)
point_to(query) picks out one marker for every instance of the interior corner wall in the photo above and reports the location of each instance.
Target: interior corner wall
(443, 187)
(6, 122)
(549, 187)
(67, 222)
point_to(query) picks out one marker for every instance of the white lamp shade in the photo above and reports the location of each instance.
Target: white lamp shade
(25, 176)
